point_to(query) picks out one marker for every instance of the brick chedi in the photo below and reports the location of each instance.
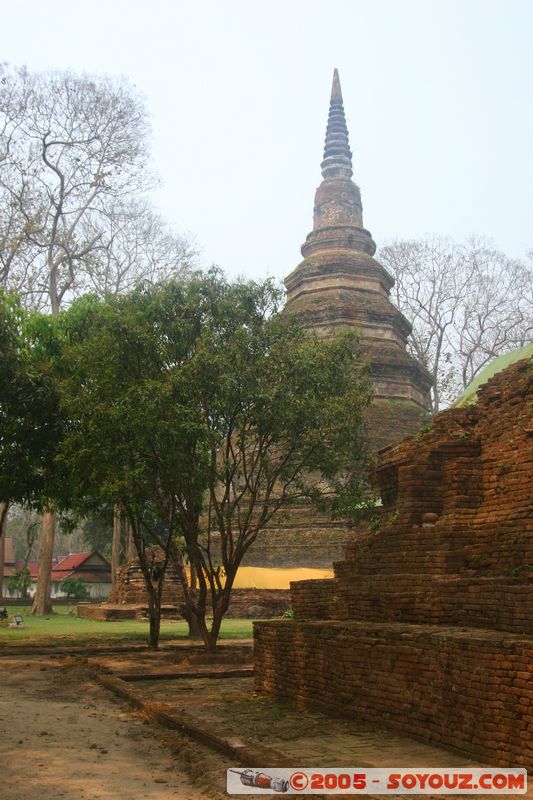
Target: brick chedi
(340, 285)
(130, 588)
(129, 599)
(427, 626)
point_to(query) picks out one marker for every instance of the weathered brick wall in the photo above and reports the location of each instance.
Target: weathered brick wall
(258, 603)
(505, 605)
(431, 612)
(299, 537)
(455, 539)
(314, 599)
(469, 690)
(130, 588)
(478, 602)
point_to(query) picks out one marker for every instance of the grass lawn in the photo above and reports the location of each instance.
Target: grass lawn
(63, 626)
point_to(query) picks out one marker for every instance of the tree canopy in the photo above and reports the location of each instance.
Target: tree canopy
(202, 411)
(73, 169)
(30, 422)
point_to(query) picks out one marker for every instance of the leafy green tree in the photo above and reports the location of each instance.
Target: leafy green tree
(202, 411)
(20, 581)
(30, 425)
(29, 412)
(73, 166)
(76, 588)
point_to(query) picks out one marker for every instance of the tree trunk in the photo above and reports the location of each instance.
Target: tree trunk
(131, 552)
(3, 517)
(195, 628)
(42, 604)
(115, 547)
(220, 607)
(4, 508)
(213, 635)
(194, 621)
(155, 621)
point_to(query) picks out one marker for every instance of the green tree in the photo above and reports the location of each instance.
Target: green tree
(29, 413)
(76, 588)
(20, 581)
(72, 148)
(30, 425)
(203, 411)
(97, 532)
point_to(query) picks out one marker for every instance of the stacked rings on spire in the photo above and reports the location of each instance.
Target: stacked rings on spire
(337, 154)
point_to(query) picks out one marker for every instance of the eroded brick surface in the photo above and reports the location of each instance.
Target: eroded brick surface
(428, 623)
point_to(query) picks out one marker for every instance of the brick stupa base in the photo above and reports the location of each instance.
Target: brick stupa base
(427, 626)
(129, 600)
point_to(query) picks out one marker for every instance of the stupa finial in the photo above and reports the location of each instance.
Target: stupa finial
(336, 91)
(337, 154)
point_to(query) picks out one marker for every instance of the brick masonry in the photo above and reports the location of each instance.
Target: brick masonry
(258, 603)
(428, 623)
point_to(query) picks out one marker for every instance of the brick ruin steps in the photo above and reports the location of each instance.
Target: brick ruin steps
(461, 688)
(113, 613)
(427, 626)
(129, 588)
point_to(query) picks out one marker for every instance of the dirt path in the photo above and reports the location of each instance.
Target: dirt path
(64, 737)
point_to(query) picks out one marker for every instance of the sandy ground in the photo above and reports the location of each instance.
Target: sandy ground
(65, 737)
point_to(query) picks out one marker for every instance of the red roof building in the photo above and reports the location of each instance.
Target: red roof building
(91, 566)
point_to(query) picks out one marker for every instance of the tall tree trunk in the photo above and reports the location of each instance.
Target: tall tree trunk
(131, 552)
(189, 587)
(3, 519)
(42, 604)
(4, 508)
(154, 607)
(115, 547)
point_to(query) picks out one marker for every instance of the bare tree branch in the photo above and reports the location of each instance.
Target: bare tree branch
(467, 303)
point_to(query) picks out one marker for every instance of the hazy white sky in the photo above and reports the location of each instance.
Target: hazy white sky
(437, 93)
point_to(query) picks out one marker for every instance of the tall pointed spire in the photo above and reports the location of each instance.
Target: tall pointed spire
(339, 286)
(336, 91)
(337, 154)
(338, 212)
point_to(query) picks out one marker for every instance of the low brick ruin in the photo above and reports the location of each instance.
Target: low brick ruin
(427, 626)
(129, 588)
(129, 600)
(258, 603)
